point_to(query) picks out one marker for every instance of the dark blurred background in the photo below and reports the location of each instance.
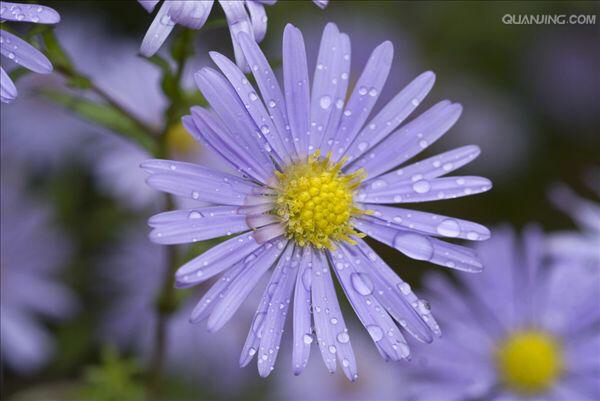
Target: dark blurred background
(531, 98)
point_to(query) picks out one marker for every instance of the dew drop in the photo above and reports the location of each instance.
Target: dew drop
(404, 288)
(415, 102)
(472, 235)
(253, 96)
(413, 245)
(362, 91)
(195, 194)
(307, 279)
(345, 362)
(194, 214)
(423, 144)
(307, 339)
(375, 332)
(447, 166)
(343, 337)
(421, 187)
(449, 228)
(325, 102)
(265, 129)
(362, 146)
(272, 103)
(373, 92)
(332, 349)
(378, 184)
(362, 283)
(344, 75)
(339, 103)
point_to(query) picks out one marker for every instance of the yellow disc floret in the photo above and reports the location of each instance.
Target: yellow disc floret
(315, 201)
(529, 362)
(180, 141)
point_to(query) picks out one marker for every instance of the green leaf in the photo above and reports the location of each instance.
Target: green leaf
(18, 72)
(115, 379)
(56, 53)
(103, 115)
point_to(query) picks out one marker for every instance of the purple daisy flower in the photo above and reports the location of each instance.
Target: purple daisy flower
(242, 16)
(17, 49)
(303, 202)
(520, 330)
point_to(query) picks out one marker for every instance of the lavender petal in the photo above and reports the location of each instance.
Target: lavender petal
(409, 140)
(302, 325)
(159, 30)
(363, 98)
(422, 247)
(392, 115)
(427, 223)
(297, 87)
(331, 330)
(216, 260)
(23, 53)
(426, 190)
(242, 285)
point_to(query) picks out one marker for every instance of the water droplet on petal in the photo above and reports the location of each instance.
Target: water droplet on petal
(343, 337)
(449, 228)
(421, 187)
(325, 102)
(375, 332)
(194, 214)
(404, 288)
(414, 245)
(307, 339)
(362, 283)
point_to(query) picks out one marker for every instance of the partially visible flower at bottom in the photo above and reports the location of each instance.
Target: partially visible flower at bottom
(303, 204)
(18, 50)
(32, 252)
(521, 330)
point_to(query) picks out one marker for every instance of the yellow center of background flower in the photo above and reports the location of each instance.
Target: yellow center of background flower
(315, 201)
(529, 362)
(180, 142)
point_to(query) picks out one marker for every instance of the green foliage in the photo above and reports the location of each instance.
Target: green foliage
(106, 116)
(115, 379)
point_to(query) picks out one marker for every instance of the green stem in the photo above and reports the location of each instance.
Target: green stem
(166, 305)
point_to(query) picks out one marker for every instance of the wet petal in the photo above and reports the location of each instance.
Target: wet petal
(159, 30)
(21, 52)
(297, 87)
(422, 247)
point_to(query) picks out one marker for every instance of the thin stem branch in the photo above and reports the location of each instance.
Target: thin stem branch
(166, 305)
(110, 100)
(167, 300)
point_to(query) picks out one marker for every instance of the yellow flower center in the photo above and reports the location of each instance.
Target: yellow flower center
(529, 362)
(179, 141)
(315, 201)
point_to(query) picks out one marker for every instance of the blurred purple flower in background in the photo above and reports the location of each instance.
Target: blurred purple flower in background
(32, 254)
(19, 51)
(133, 275)
(242, 16)
(585, 243)
(520, 330)
(301, 205)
